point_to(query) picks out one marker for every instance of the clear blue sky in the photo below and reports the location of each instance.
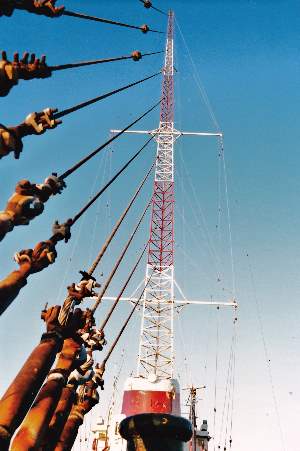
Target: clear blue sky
(247, 56)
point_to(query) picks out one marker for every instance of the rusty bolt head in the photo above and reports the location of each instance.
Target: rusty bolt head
(145, 28)
(136, 55)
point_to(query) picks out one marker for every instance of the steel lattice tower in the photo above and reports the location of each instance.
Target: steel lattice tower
(156, 341)
(156, 354)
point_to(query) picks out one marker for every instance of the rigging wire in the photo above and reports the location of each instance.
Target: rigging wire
(81, 105)
(81, 212)
(229, 425)
(193, 235)
(112, 401)
(59, 67)
(216, 377)
(104, 188)
(198, 81)
(109, 197)
(117, 264)
(149, 4)
(228, 387)
(119, 222)
(108, 316)
(222, 155)
(200, 221)
(105, 177)
(110, 140)
(126, 322)
(228, 218)
(187, 361)
(266, 352)
(143, 28)
(75, 243)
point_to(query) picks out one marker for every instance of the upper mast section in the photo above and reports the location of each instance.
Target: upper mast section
(167, 106)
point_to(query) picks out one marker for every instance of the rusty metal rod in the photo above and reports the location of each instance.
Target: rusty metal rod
(118, 223)
(122, 289)
(98, 61)
(125, 324)
(92, 154)
(117, 264)
(108, 21)
(81, 105)
(149, 4)
(97, 195)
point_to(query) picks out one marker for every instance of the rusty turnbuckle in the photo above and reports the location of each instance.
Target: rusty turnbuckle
(41, 7)
(26, 68)
(34, 124)
(27, 202)
(31, 261)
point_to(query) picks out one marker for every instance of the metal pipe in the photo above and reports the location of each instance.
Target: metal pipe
(59, 418)
(34, 426)
(19, 396)
(76, 417)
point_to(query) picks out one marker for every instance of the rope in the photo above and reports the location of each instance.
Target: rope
(118, 223)
(92, 154)
(123, 289)
(107, 283)
(126, 323)
(97, 195)
(98, 61)
(79, 106)
(108, 21)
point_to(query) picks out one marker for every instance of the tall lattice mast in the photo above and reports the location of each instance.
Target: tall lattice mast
(156, 341)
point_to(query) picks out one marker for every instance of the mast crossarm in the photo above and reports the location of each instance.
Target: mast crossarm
(229, 303)
(175, 132)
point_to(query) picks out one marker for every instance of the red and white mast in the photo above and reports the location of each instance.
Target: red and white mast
(156, 356)
(153, 389)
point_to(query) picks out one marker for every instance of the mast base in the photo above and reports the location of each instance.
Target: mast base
(155, 432)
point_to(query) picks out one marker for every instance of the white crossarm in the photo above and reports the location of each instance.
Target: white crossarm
(230, 303)
(175, 132)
